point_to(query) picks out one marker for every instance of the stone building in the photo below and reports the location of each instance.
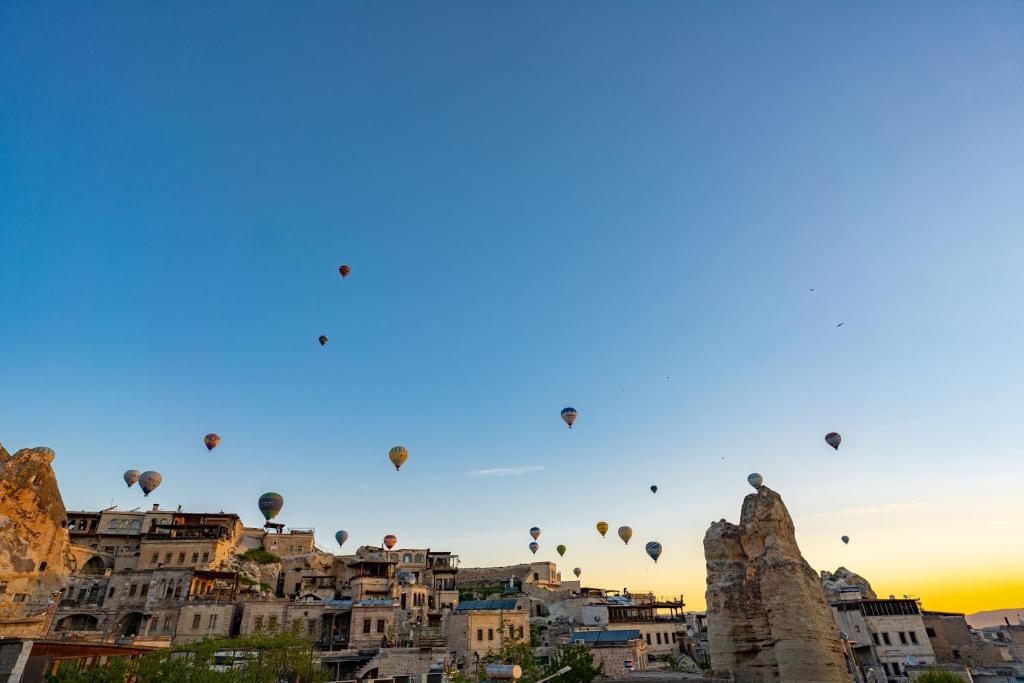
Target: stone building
(955, 642)
(477, 627)
(616, 653)
(885, 635)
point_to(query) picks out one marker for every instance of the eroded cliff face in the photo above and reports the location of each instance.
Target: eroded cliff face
(35, 560)
(833, 582)
(767, 615)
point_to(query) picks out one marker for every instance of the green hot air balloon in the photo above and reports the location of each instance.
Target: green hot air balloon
(561, 550)
(270, 504)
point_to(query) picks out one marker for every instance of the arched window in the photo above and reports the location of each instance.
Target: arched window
(112, 526)
(161, 590)
(407, 558)
(177, 589)
(135, 524)
(419, 559)
(42, 566)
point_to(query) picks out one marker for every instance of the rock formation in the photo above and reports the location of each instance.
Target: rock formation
(34, 557)
(767, 615)
(833, 582)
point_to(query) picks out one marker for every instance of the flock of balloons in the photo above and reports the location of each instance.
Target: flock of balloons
(270, 504)
(833, 439)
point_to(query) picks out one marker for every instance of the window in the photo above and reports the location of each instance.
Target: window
(145, 590)
(913, 637)
(658, 637)
(647, 636)
(131, 590)
(479, 634)
(167, 623)
(273, 623)
(42, 566)
(111, 593)
(112, 526)
(257, 624)
(311, 627)
(407, 558)
(296, 625)
(885, 637)
(490, 634)
(206, 557)
(81, 594)
(213, 621)
(380, 626)
(195, 620)
(929, 631)
(419, 559)
(181, 558)
(956, 654)
(903, 638)
(135, 525)
(177, 589)
(3, 587)
(520, 633)
(895, 668)
(167, 558)
(885, 665)
(21, 597)
(195, 557)
(155, 559)
(366, 625)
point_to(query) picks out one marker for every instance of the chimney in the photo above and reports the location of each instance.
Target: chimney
(156, 506)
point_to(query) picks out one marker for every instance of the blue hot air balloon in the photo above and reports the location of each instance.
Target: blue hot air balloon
(341, 536)
(654, 488)
(654, 550)
(534, 546)
(569, 415)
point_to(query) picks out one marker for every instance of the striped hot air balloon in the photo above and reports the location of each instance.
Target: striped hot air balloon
(569, 415)
(534, 546)
(270, 504)
(653, 549)
(211, 440)
(344, 270)
(602, 528)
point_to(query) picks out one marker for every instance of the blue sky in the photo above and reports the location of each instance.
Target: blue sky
(616, 206)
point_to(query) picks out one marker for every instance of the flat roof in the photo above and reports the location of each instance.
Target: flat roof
(475, 605)
(604, 637)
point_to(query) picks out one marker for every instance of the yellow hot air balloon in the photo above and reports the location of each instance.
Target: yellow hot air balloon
(602, 528)
(398, 456)
(625, 533)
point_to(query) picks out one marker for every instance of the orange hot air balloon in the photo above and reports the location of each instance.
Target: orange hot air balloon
(211, 441)
(398, 456)
(344, 270)
(390, 540)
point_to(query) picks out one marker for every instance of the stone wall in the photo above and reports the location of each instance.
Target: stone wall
(767, 615)
(832, 584)
(35, 559)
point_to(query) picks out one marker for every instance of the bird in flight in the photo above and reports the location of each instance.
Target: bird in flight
(839, 325)
(812, 289)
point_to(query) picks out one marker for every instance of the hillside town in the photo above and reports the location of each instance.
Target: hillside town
(81, 587)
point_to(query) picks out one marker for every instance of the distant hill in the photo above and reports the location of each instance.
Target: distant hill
(995, 617)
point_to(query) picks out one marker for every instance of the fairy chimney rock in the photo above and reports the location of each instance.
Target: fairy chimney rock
(35, 559)
(767, 615)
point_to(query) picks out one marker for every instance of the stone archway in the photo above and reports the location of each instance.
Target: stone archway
(77, 622)
(130, 625)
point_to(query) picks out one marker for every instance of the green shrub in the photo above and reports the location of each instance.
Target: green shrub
(939, 676)
(260, 556)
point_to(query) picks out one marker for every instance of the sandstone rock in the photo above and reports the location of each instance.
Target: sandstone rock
(767, 615)
(833, 582)
(35, 560)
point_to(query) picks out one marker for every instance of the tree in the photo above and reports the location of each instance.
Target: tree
(939, 676)
(579, 658)
(259, 659)
(513, 651)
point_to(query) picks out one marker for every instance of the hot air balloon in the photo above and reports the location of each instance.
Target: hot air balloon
(398, 456)
(149, 480)
(211, 440)
(323, 340)
(569, 415)
(755, 480)
(561, 550)
(654, 488)
(535, 532)
(270, 504)
(131, 477)
(833, 439)
(344, 270)
(534, 546)
(341, 536)
(390, 540)
(602, 528)
(653, 549)
(577, 571)
(846, 539)
(625, 533)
